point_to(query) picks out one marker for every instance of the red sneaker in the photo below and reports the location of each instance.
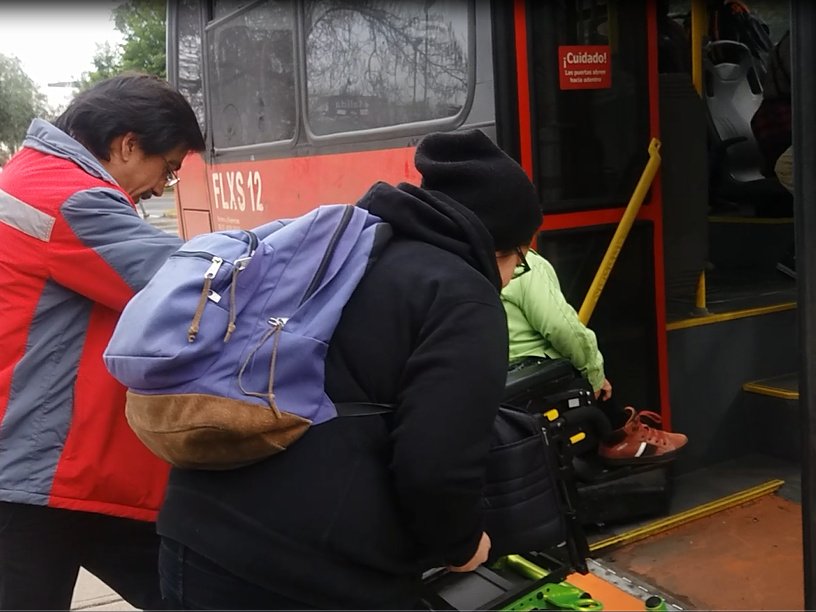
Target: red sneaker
(638, 443)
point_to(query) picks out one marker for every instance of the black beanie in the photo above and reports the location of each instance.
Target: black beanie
(469, 168)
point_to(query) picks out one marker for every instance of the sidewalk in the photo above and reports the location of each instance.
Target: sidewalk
(93, 594)
(161, 213)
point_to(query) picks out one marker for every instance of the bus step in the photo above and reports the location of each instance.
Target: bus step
(785, 386)
(739, 243)
(686, 516)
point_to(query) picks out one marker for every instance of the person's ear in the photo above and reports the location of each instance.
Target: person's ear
(125, 147)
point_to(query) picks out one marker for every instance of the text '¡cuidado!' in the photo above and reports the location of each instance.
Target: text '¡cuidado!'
(586, 58)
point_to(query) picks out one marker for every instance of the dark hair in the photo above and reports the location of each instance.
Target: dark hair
(145, 105)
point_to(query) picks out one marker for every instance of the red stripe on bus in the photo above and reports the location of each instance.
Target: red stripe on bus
(249, 193)
(523, 80)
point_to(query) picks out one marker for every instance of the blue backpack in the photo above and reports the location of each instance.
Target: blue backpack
(223, 350)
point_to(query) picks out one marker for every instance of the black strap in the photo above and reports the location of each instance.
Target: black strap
(354, 409)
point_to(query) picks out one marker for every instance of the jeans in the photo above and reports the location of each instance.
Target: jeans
(42, 549)
(190, 581)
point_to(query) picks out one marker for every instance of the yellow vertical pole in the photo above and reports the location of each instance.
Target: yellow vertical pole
(700, 297)
(612, 24)
(699, 29)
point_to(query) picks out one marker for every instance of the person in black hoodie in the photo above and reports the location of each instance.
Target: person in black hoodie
(353, 513)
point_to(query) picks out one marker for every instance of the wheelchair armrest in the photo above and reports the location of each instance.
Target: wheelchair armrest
(543, 372)
(588, 417)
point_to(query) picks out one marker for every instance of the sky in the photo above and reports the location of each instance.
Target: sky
(55, 41)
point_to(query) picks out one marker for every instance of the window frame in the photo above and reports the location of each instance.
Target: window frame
(303, 134)
(581, 204)
(259, 147)
(401, 129)
(172, 43)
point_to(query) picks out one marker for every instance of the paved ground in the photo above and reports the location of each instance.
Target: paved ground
(161, 212)
(91, 593)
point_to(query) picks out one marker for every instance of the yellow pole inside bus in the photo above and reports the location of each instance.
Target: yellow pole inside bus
(614, 248)
(699, 28)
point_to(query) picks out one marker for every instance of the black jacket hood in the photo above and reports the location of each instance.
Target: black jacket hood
(434, 218)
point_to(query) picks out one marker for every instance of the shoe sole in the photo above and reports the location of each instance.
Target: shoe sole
(649, 460)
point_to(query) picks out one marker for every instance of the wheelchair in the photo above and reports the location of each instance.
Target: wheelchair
(556, 390)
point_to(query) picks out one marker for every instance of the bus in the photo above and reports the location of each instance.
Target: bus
(308, 102)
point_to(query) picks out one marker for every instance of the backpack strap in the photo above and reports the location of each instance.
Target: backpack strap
(354, 409)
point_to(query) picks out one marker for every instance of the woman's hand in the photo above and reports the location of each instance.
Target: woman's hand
(479, 557)
(605, 392)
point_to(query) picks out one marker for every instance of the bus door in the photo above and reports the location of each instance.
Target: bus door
(586, 114)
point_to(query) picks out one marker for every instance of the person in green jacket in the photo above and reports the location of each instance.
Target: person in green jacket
(542, 324)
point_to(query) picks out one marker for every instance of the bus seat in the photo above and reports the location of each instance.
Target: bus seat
(733, 93)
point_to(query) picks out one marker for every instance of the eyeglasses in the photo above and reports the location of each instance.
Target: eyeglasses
(172, 177)
(523, 267)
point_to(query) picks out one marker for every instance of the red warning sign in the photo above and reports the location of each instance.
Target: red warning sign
(584, 67)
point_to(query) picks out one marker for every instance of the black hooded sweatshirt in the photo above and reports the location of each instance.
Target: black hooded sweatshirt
(352, 513)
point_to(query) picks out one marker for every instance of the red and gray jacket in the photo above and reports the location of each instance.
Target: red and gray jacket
(73, 251)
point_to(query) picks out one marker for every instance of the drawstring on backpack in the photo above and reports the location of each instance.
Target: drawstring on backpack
(209, 275)
(269, 396)
(237, 266)
(232, 310)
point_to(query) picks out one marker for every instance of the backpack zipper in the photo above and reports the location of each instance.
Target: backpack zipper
(201, 254)
(214, 267)
(209, 275)
(206, 291)
(327, 256)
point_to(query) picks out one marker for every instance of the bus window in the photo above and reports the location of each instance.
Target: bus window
(253, 89)
(371, 65)
(592, 136)
(222, 8)
(189, 56)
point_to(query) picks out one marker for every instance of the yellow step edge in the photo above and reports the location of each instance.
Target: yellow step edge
(687, 516)
(770, 390)
(729, 316)
(751, 220)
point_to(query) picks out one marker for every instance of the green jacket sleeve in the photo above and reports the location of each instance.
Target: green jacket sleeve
(542, 323)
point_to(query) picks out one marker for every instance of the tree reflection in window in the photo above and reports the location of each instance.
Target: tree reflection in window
(373, 64)
(253, 86)
(189, 56)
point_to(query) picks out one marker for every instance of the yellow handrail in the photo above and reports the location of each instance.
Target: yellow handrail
(699, 31)
(612, 252)
(699, 28)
